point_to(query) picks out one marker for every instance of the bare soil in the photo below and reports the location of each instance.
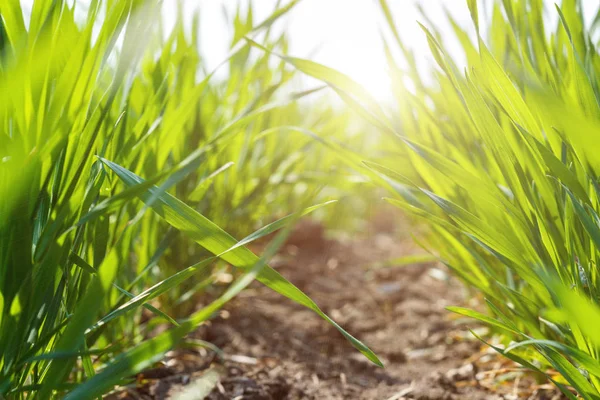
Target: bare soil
(275, 349)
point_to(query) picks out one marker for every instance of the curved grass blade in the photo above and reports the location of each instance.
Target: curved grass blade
(217, 241)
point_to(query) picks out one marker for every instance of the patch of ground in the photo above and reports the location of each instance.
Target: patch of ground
(275, 349)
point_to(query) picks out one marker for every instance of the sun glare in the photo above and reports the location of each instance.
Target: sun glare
(346, 36)
(341, 34)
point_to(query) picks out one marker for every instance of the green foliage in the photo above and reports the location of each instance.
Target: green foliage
(501, 162)
(85, 242)
(502, 169)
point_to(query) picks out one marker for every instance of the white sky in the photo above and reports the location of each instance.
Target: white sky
(345, 32)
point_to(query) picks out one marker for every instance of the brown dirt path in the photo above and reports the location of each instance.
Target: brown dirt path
(274, 349)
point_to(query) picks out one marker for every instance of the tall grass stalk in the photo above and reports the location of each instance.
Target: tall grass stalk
(500, 161)
(105, 122)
